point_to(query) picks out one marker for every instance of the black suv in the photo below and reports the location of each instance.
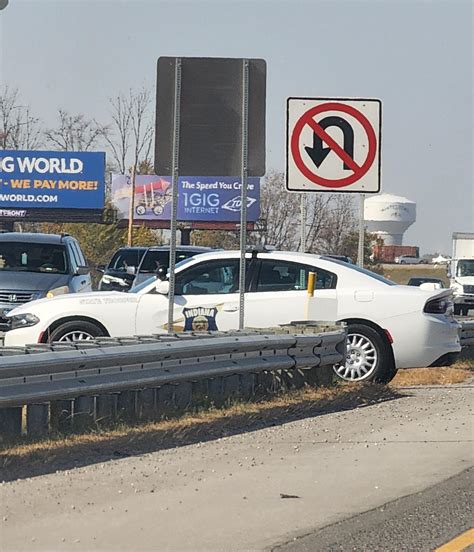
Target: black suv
(131, 266)
(119, 274)
(33, 266)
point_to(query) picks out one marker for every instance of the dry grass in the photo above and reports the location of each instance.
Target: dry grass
(67, 451)
(402, 273)
(459, 372)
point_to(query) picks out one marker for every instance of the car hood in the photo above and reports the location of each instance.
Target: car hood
(73, 300)
(31, 281)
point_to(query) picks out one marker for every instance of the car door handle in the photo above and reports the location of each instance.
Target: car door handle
(230, 308)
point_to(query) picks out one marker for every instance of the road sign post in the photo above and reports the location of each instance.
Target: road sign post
(243, 190)
(174, 200)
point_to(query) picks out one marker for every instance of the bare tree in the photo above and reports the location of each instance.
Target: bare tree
(19, 129)
(331, 219)
(74, 133)
(130, 135)
(279, 215)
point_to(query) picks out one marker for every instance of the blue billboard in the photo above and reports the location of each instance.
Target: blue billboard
(200, 198)
(51, 179)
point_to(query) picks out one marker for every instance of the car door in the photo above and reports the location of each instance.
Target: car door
(279, 294)
(206, 299)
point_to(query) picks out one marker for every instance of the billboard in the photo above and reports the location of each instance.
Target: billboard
(32, 181)
(200, 198)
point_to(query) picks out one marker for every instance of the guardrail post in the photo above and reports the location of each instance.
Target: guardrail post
(84, 410)
(10, 421)
(230, 387)
(265, 384)
(146, 404)
(105, 409)
(293, 379)
(165, 401)
(215, 391)
(127, 405)
(183, 393)
(60, 415)
(247, 386)
(37, 420)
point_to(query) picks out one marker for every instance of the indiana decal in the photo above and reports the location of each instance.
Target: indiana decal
(200, 319)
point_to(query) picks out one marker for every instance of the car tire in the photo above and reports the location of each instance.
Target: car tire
(75, 330)
(369, 357)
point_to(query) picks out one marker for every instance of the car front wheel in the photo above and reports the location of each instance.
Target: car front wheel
(80, 330)
(368, 356)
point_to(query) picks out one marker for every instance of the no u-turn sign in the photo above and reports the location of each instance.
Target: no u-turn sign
(333, 145)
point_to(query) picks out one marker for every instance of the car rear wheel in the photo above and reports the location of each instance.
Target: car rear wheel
(75, 330)
(368, 356)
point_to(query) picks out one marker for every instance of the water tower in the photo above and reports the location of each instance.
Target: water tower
(389, 216)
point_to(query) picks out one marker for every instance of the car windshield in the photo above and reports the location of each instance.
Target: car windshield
(33, 257)
(148, 281)
(153, 260)
(466, 267)
(124, 259)
(373, 275)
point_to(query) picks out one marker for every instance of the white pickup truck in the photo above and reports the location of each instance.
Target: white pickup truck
(461, 272)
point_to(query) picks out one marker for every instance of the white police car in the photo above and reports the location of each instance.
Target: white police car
(390, 326)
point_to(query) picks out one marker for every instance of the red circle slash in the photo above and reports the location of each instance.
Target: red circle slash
(307, 119)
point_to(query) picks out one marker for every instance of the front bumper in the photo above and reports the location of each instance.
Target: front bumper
(464, 300)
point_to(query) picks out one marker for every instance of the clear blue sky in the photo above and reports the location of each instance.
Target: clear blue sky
(414, 55)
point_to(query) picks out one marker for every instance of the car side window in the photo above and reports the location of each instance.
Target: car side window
(72, 256)
(288, 276)
(80, 256)
(209, 278)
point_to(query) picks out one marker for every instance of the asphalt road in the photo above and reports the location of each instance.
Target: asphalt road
(256, 490)
(423, 521)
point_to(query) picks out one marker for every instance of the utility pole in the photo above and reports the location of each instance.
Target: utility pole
(132, 207)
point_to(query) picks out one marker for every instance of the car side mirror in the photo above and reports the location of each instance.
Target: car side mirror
(100, 268)
(162, 287)
(81, 271)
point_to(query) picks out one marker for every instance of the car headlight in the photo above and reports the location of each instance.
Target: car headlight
(23, 320)
(57, 291)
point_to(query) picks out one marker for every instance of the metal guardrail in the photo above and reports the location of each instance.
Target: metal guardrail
(42, 373)
(467, 333)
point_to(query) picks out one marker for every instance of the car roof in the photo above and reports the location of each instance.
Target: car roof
(132, 248)
(32, 237)
(195, 248)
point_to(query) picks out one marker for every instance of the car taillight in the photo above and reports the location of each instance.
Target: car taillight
(441, 305)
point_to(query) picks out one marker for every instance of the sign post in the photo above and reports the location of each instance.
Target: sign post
(360, 254)
(174, 201)
(243, 191)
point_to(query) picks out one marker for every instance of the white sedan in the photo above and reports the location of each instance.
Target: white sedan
(389, 326)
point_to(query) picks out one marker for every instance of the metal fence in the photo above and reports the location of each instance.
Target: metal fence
(110, 378)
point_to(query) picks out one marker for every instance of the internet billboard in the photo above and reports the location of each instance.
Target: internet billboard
(200, 198)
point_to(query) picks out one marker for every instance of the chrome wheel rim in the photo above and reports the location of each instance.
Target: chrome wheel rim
(361, 359)
(76, 335)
